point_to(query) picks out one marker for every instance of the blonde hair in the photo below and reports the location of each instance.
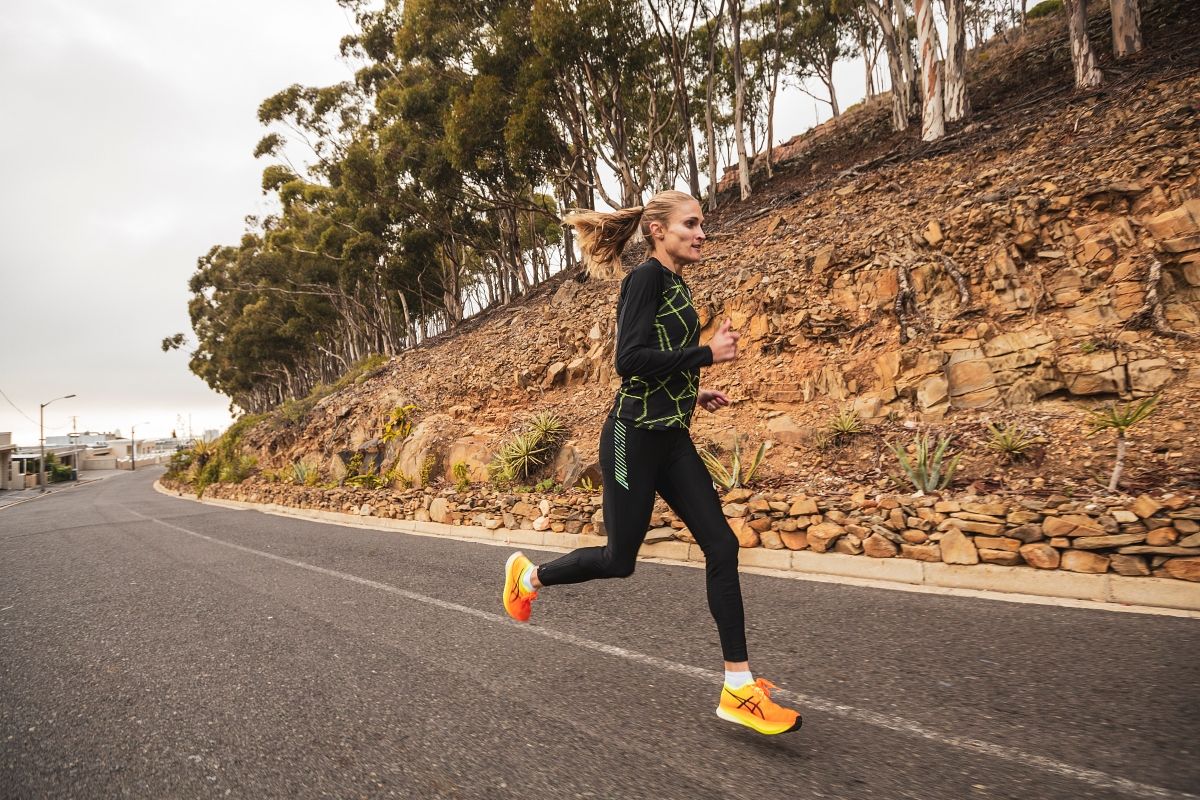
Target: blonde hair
(604, 234)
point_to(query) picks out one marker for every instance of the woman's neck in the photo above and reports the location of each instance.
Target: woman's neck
(668, 263)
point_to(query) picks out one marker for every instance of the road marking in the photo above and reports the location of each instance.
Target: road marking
(1096, 778)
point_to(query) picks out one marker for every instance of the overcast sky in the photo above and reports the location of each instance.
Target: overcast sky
(126, 150)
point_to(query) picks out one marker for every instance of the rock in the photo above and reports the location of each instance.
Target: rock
(760, 524)
(1083, 561)
(734, 509)
(822, 260)
(556, 374)
(365, 510)
(1131, 566)
(656, 535)
(1028, 533)
(913, 536)
(738, 496)
(971, 526)
(932, 391)
(1122, 515)
(849, 545)
(877, 546)
(1071, 525)
(784, 429)
(803, 507)
(921, 552)
(1187, 569)
(1162, 537)
(1005, 558)
(990, 509)
(523, 509)
(1145, 506)
(439, 510)
(541, 524)
(958, 548)
(822, 536)
(1191, 541)
(794, 540)
(998, 543)
(967, 371)
(1100, 542)
(1040, 555)
(746, 536)
(771, 540)
(933, 233)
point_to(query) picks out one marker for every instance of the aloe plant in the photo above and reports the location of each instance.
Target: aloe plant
(1121, 419)
(927, 470)
(1011, 441)
(734, 477)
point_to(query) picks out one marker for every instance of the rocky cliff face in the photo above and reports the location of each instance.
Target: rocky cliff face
(1002, 274)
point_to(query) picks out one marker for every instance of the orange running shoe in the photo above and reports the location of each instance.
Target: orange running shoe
(516, 599)
(752, 706)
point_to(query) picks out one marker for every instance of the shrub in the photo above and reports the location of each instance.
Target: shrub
(529, 450)
(928, 471)
(734, 477)
(462, 476)
(399, 424)
(843, 425)
(1044, 9)
(1012, 442)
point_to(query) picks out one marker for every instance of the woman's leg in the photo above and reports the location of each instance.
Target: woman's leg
(629, 459)
(686, 485)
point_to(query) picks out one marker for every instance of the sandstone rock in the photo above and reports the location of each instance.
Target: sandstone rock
(556, 374)
(1131, 566)
(967, 371)
(738, 495)
(747, 536)
(1187, 569)
(760, 524)
(932, 391)
(1162, 537)
(784, 429)
(1005, 558)
(822, 536)
(797, 540)
(771, 540)
(1145, 506)
(958, 548)
(877, 546)
(947, 506)
(523, 509)
(1083, 561)
(971, 526)
(803, 507)
(1122, 515)
(1148, 375)
(989, 509)
(656, 535)
(998, 543)
(1100, 542)
(933, 233)
(1071, 525)
(1040, 555)
(913, 536)
(735, 509)
(921, 552)
(541, 523)
(439, 510)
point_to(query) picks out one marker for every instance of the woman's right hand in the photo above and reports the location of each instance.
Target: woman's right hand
(724, 343)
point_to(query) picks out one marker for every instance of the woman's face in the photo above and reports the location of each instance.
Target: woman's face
(682, 238)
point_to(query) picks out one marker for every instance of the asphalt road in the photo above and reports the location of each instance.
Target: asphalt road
(154, 647)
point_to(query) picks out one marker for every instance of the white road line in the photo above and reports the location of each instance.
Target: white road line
(1096, 778)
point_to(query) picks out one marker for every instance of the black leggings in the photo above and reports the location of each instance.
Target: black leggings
(635, 463)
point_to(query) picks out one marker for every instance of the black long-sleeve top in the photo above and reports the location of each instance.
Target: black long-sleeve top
(657, 357)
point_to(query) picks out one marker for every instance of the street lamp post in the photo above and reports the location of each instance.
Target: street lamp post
(133, 446)
(42, 436)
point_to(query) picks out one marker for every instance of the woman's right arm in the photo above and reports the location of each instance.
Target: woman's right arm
(636, 350)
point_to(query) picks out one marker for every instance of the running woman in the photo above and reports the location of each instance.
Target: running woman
(645, 444)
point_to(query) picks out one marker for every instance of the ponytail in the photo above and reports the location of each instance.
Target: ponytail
(602, 237)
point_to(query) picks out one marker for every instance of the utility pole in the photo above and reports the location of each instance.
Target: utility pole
(42, 438)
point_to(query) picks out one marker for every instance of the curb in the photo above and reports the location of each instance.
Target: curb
(1021, 584)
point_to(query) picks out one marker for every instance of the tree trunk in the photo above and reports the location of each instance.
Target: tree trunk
(739, 103)
(891, 44)
(710, 133)
(957, 104)
(1119, 467)
(776, 68)
(933, 119)
(1087, 74)
(1126, 27)
(906, 58)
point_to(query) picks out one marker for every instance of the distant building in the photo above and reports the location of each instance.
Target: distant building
(7, 478)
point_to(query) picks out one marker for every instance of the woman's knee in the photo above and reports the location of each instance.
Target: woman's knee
(722, 549)
(618, 567)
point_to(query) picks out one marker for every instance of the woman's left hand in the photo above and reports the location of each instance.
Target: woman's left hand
(711, 399)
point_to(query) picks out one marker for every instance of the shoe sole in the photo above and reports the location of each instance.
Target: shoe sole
(729, 716)
(509, 579)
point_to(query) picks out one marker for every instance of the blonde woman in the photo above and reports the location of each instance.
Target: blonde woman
(645, 445)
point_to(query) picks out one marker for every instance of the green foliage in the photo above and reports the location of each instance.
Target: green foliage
(588, 486)
(1044, 9)
(927, 470)
(304, 474)
(547, 485)
(1122, 417)
(399, 424)
(843, 425)
(221, 461)
(56, 471)
(462, 476)
(733, 477)
(427, 469)
(1012, 442)
(528, 450)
